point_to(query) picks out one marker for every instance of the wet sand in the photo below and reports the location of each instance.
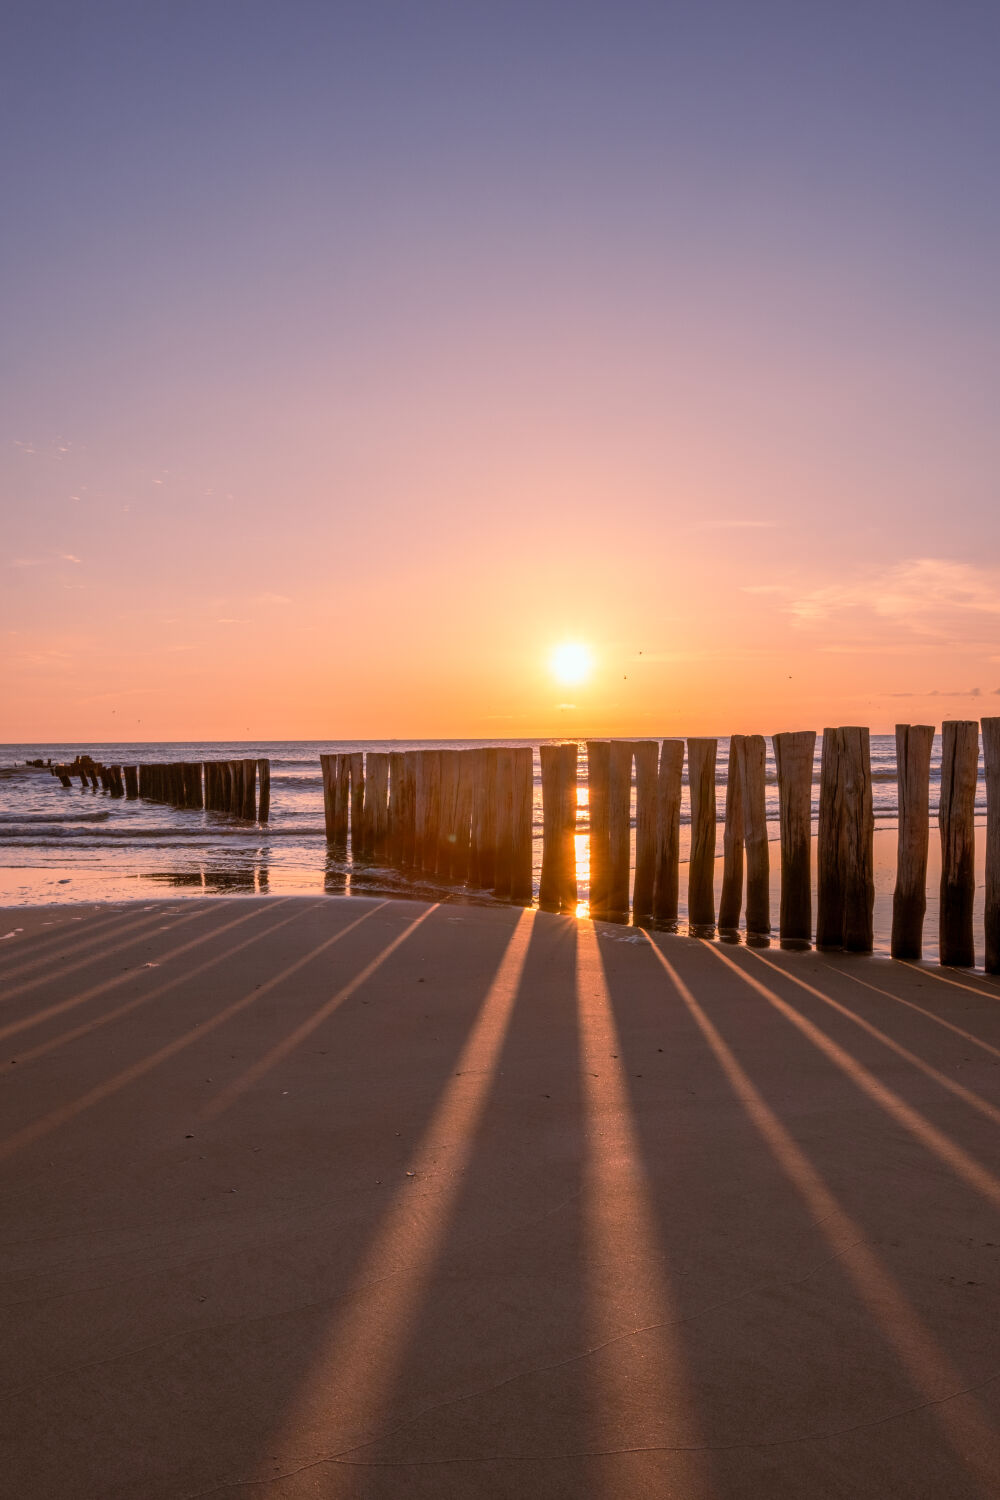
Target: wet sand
(355, 1198)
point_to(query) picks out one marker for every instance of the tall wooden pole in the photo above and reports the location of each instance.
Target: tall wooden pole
(504, 824)
(646, 754)
(831, 853)
(752, 760)
(731, 900)
(794, 752)
(956, 819)
(859, 841)
(991, 754)
(264, 777)
(522, 816)
(914, 743)
(668, 831)
(598, 773)
(619, 829)
(701, 869)
(550, 885)
(356, 767)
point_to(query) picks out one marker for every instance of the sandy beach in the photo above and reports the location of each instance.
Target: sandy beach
(372, 1198)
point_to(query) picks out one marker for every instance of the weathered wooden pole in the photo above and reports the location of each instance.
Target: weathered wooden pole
(463, 819)
(731, 899)
(521, 824)
(250, 790)
(570, 771)
(477, 772)
(131, 782)
(956, 820)
(991, 755)
(793, 757)
(647, 757)
(328, 770)
(752, 762)
(619, 829)
(196, 788)
(914, 743)
(598, 777)
(504, 824)
(376, 803)
(859, 841)
(397, 807)
(264, 778)
(831, 856)
(550, 885)
(701, 869)
(487, 845)
(356, 770)
(668, 831)
(448, 823)
(411, 760)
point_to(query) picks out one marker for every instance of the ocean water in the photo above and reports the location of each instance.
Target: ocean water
(60, 844)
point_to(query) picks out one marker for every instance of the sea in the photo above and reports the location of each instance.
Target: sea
(59, 844)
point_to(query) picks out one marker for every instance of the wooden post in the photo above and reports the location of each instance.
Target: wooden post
(328, 770)
(487, 837)
(793, 756)
(462, 830)
(250, 790)
(397, 807)
(521, 819)
(619, 828)
(197, 791)
(991, 755)
(598, 779)
(131, 782)
(646, 754)
(859, 841)
(356, 770)
(830, 843)
(376, 803)
(449, 813)
(914, 743)
(752, 761)
(550, 886)
(956, 819)
(568, 789)
(504, 824)
(701, 869)
(477, 763)
(411, 760)
(731, 899)
(668, 831)
(264, 778)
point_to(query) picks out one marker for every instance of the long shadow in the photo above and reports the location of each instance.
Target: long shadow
(858, 1051)
(141, 930)
(44, 948)
(803, 1345)
(278, 1198)
(480, 1340)
(851, 979)
(37, 1014)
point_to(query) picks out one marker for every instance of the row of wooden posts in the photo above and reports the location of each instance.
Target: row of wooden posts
(226, 786)
(465, 816)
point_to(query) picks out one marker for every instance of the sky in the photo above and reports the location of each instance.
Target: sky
(356, 356)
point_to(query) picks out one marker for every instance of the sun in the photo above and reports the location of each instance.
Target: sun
(570, 662)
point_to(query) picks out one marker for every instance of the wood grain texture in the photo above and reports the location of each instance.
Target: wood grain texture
(991, 755)
(794, 752)
(619, 829)
(956, 821)
(668, 831)
(914, 743)
(752, 758)
(731, 899)
(598, 773)
(647, 756)
(701, 869)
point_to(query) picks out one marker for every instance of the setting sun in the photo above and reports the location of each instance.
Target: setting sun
(571, 662)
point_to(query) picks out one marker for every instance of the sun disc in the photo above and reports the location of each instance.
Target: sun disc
(570, 662)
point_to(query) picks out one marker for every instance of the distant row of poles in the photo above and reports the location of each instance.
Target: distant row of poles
(241, 788)
(464, 816)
